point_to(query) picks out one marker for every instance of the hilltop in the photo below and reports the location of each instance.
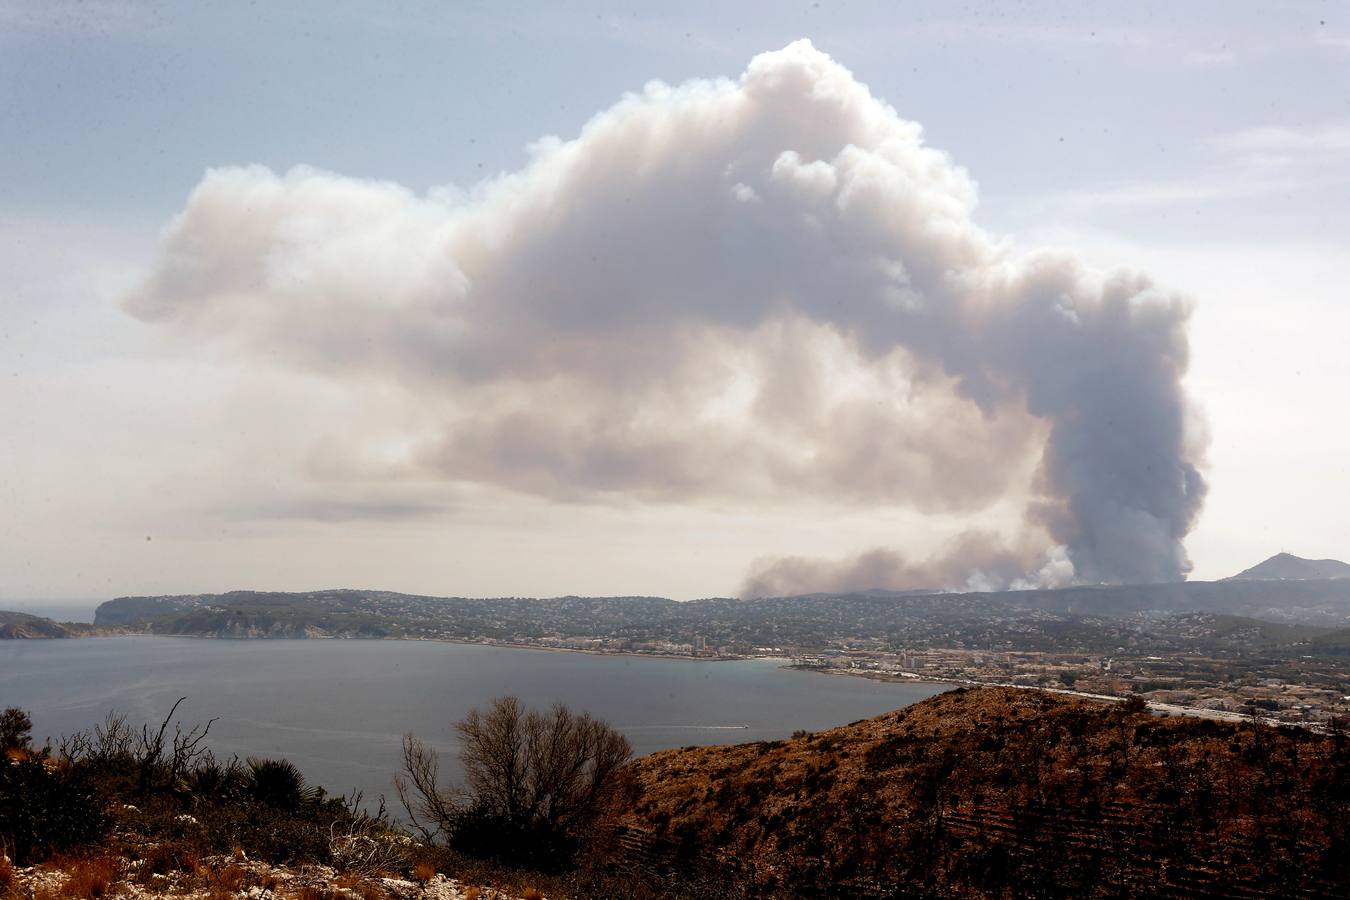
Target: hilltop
(1005, 792)
(1287, 567)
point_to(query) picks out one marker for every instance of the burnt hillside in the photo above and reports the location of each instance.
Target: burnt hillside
(1009, 793)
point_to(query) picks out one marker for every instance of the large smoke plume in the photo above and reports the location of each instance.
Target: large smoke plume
(729, 290)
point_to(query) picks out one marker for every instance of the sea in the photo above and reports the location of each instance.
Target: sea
(338, 708)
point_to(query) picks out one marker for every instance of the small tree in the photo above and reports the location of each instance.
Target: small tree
(534, 782)
(16, 729)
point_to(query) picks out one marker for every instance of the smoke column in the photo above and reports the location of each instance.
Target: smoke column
(737, 290)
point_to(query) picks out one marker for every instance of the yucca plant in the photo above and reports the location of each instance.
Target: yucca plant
(210, 781)
(279, 784)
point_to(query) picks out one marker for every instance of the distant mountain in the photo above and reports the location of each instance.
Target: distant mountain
(1287, 567)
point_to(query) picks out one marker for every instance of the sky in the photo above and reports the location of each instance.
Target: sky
(427, 298)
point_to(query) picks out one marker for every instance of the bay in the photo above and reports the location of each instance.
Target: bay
(338, 709)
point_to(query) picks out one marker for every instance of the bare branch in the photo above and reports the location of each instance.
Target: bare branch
(541, 776)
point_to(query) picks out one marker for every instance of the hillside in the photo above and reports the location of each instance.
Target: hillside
(1287, 567)
(17, 625)
(1003, 792)
(992, 792)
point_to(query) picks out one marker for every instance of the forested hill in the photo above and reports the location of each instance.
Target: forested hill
(806, 620)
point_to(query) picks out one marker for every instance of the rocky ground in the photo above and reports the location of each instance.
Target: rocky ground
(220, 877)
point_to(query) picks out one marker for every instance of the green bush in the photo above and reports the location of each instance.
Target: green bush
(43, 810)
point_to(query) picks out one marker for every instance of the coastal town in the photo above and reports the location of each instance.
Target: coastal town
(1317, 692)
(1217, 686)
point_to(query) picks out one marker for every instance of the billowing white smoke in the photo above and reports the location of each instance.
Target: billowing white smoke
(752, 289)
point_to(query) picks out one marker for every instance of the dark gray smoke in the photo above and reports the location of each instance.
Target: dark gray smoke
(750, 290)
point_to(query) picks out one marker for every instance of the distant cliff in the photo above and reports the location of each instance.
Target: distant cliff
(134, 610)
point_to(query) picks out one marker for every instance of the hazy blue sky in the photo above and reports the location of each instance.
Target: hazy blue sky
(1207, 144)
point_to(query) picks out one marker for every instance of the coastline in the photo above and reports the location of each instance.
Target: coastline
(784, 662)
(876, 676)
(686, 657)
(511, 645)
(1153, 705)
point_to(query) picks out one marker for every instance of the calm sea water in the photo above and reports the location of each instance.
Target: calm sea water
(337, 709)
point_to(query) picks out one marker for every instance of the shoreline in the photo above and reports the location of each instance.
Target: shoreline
(1154, 706)
(510, 645)
(516, 646)
(785, 662)
(875, 676)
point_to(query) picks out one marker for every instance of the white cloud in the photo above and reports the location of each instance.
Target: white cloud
(99, 17)
(1319, 139)
(1208, 58)
(1335, 41)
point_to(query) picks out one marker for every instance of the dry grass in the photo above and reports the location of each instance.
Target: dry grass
(165, 858)
(531, 894)
(424, 871)
(89, 877)
(309, 892)
(472, 893)
(361, 886)
(6, 873)
(231, 878)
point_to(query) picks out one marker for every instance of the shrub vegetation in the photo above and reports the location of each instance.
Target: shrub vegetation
(167, 798)
(535, 784)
